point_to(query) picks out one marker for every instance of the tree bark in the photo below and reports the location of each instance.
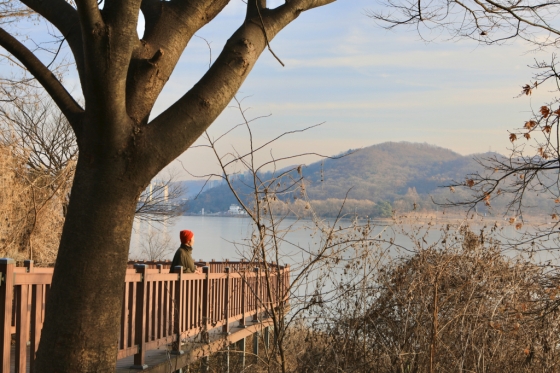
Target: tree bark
(82, 321)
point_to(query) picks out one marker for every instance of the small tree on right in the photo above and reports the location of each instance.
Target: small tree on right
(526, 181)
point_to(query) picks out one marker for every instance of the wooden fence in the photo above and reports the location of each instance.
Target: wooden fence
(159, 308)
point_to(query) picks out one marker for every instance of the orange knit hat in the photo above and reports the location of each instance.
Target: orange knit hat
(185, 236)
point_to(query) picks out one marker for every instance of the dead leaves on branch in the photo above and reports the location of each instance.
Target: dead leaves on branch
(527, 89)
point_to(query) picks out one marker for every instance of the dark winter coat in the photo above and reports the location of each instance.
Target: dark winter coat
(183, 257)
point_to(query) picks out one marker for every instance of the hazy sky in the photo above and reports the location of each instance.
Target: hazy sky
(367, 85)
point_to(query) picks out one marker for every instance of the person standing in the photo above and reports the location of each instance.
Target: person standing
(183, 255)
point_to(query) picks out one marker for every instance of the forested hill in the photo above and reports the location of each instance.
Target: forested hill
(377, 179)
(386, 171)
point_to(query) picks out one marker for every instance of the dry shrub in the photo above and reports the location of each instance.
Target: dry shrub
(460, 306)
(31, 208)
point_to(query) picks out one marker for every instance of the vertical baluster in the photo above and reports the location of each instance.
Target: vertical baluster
(257, 294)
(160, 299)
(227, 295)
(140, 327)
(6, 298)
(205, 304)
(22, 327)
(152, 336)
(36, 322)
(124, 318)
(131, 313)
(165, 309)
(178, 310)
(243, 299)
(190, 304)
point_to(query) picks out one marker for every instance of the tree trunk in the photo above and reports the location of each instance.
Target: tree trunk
(84, 304)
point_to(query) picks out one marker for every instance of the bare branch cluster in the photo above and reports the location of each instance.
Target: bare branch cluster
(486, 21)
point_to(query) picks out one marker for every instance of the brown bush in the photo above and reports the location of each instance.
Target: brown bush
(461, 307)
(31, 208)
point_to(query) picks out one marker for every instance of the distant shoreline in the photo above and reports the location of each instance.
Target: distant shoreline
(420, 217)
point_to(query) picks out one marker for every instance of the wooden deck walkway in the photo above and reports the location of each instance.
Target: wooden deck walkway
(163, 313)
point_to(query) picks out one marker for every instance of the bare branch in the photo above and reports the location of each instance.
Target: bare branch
(60, 95)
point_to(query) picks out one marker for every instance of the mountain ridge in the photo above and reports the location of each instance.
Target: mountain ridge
(403, 174)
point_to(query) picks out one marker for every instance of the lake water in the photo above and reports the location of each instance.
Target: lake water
(222, 238)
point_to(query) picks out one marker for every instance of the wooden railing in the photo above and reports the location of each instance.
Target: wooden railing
(159, 308)
(215, 267)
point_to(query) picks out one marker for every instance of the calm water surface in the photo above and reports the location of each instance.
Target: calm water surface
(216, 237)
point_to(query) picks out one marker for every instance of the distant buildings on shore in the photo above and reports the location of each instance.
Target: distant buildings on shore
(234, 210)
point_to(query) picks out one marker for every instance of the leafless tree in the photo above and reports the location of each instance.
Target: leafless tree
(39, 133)
(161, 201)
(155, 245)
(527, 180)
(267, 199)
(120, 149)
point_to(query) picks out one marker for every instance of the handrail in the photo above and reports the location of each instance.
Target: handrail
(159, 308)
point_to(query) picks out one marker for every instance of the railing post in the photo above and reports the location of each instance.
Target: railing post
(257, 279)
(29, 265)
(140, 333)
(205, 300)
(227, 296)
(6, 299)
(243, 299)
(286, 275)
(178, 312)
(266, 337)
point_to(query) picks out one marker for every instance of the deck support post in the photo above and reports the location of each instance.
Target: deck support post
(266, 337)
(226, 357)
(205, 366)
(256, 347)
(241, 347)
(140, 333)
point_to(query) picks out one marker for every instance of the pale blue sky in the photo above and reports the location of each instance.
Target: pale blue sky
(368, 85)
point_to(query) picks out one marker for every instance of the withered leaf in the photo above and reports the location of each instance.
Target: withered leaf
(512, 137)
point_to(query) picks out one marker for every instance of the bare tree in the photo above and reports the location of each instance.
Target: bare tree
(526, 182)
(265, 192)
(155, 245)
(120, 149)
(39, 132)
